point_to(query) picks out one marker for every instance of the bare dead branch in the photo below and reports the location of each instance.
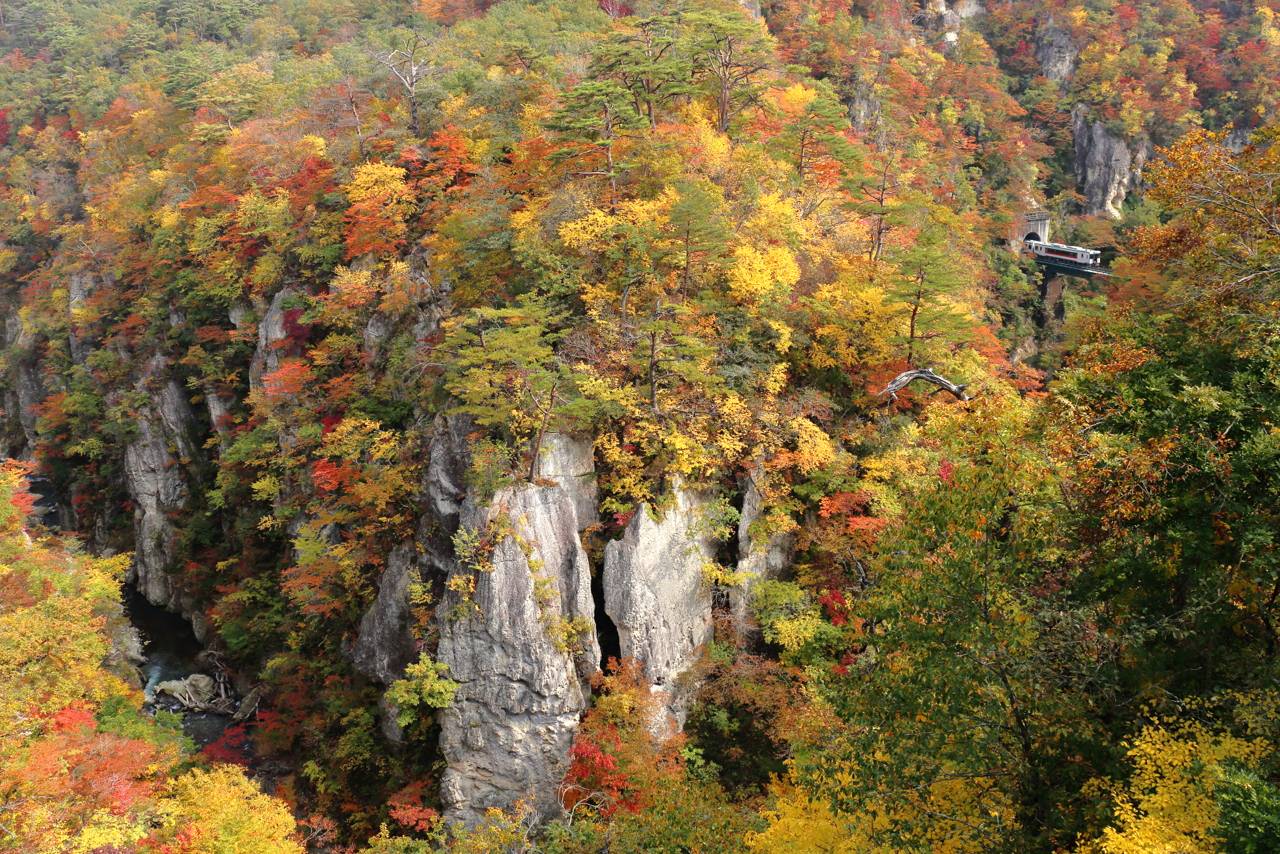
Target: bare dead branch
(905, 378)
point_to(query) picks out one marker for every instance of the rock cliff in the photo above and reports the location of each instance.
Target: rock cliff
(949, 16)
(155, 464)
(23, 392)
(271, 337)
(518, 634)
(1107, 166)
(757, 558)
(569, 461)
(1056, 52)
(385, 643)
(384, 646)
(656, 595)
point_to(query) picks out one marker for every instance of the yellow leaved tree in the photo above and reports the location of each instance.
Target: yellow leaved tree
(1169, 802)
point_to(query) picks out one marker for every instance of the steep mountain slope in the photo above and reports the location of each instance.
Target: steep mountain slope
(426, 358)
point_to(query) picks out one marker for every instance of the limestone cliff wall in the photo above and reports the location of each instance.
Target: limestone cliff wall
(385, 644)
(521, 645)
(1108, 167)
(657, 596)
(1056, 52)
(759, 557)
(156, 476)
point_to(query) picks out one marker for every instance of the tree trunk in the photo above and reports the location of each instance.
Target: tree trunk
(905, 378)
(355, 114)
(536, 442)
(653, 370)
(722, 103)
(915, 312)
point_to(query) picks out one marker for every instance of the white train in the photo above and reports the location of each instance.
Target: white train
(1062, 252)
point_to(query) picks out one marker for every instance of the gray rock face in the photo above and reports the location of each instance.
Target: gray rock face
(756, 560)
(864, 109)
(28, 392)
(153, 467)
(507, 736)
(447, 461)
(157, 490)
(570, 462)
(431, 305)
(219, 407)
(80, 285)
(125, 655)
(271, 333)
(655, 593)
(23, 391)
(240, 313)
(1107, 167)
(523, 683)
(946, 17)
(1238, 140)
(385, 644)
(1056, 52)
(376, 332)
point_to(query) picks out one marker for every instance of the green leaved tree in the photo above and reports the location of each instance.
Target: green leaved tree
(504, 371)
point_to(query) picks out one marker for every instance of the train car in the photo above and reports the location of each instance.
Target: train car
(1062, 252)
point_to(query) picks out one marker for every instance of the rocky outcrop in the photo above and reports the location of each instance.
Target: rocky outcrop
(271, 337)
(219, 406)
(1107, 166)
(657, 597)
(445, 490)
(125, 653)
(949, 17)
(570, 461)
(758, 558)
(430, 293)
(80, 285)
(1237, 140)
(23, 390)
(155, 479)
(864, 110)
(193, 692)
(1056, 52)
(158, 490)
(521, 645)
(385, 644)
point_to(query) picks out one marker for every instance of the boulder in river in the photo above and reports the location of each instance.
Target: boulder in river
(194, 692)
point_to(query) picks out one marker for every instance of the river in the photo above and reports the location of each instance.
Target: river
(171, 651)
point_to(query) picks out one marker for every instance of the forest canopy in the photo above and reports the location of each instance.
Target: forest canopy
(324, 321)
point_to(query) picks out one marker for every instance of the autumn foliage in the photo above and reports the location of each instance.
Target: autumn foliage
(287, 285)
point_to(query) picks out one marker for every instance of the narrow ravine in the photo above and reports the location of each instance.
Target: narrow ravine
(171, 652)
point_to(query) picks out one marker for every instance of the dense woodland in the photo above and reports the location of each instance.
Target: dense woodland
(262, 251)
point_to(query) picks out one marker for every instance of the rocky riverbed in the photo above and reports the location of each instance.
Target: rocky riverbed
(177, 673)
